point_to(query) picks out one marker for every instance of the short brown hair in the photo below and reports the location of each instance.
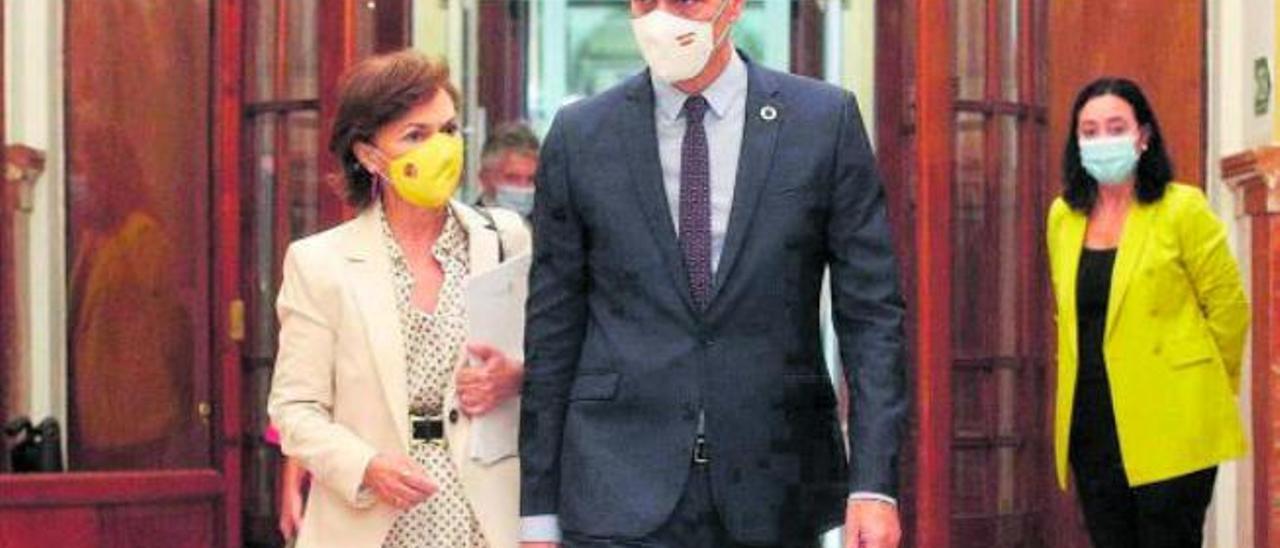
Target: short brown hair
(512, 136)
(373, 93)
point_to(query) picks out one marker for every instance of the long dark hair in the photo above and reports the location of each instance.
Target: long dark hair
(1155, 169)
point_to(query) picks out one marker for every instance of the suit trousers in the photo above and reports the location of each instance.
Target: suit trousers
(694, 523)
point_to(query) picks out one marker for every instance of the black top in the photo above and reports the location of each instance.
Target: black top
(1093, 436)
(1093, 289)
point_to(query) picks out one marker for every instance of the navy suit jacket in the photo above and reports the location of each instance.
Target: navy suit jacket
(619, 360)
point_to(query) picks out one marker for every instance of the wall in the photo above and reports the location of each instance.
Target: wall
(858, 55)
(34, 116)
(1239, 33)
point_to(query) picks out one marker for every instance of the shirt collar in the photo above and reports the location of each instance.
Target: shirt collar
(720, 95)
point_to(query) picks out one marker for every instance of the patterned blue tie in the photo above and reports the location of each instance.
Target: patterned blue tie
(695, 202)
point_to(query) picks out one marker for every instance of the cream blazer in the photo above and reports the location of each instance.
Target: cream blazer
(339, 394)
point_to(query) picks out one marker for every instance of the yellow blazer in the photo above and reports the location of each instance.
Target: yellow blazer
(339, 394)
(1175, 331)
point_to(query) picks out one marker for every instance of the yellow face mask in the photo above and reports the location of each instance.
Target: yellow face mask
(427, 176)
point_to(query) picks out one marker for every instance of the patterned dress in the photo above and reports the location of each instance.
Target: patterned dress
(433, 342)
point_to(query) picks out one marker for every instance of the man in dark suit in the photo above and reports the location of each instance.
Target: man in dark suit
(675, 390)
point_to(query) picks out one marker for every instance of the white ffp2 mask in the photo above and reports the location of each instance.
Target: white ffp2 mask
(675, 48)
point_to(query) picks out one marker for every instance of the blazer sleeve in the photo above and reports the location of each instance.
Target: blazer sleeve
(1215, 278)
(555, 325)
(301, 401)
(868, 310)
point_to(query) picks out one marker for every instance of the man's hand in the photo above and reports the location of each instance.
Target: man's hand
(495, 380)
(539, 545)
(871, 524)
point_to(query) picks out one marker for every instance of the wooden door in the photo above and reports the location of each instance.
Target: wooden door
(1002, 475)
(1159, 44)
(961, 141)
(295, 52)
(151, 447)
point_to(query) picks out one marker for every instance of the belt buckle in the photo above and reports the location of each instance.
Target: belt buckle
(700, 455)
(413, 441)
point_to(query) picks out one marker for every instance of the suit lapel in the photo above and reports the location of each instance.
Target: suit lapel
(1071, 244)
(645, 167)
(1133, 240)
(369, 275)
(759, 138)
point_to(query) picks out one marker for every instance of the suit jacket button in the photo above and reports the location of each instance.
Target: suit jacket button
(453, 416)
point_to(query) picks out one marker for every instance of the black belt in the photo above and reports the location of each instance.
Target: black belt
(427, 429)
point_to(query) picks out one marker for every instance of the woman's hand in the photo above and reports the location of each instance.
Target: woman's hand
(494, 380)
(291, 498)
(398, 480)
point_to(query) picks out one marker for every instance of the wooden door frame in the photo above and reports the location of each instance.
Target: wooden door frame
(932, 93)
(914, 147)
(228, 94)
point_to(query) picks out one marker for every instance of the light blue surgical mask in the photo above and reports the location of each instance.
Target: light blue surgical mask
(516, 198)
(1110, 160)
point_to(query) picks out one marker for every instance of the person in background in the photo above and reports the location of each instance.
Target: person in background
(507, 166)
(370, 391)
(1152, 318)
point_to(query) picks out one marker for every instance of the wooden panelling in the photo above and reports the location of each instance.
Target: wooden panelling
(27, 490)
(172, 525)
(1158, 43)
(45, 527)
(186, 525)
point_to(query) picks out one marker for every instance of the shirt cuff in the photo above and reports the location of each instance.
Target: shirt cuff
(542, 528)
(867, 495)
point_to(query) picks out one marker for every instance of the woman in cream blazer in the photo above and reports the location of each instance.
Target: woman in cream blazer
(341, 393)
(1151, 318)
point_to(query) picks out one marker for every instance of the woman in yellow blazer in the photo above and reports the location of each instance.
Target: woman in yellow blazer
(370, 392)
(1152, 319)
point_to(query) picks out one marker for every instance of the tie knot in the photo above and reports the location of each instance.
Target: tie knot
(695, 107)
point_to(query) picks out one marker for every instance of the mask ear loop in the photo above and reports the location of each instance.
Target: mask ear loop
(378, 181)
(715, 43)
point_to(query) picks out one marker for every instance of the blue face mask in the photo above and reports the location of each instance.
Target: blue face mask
(1110, 160)
(516, 198)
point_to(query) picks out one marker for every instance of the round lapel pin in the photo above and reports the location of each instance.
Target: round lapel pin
(768, 113)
